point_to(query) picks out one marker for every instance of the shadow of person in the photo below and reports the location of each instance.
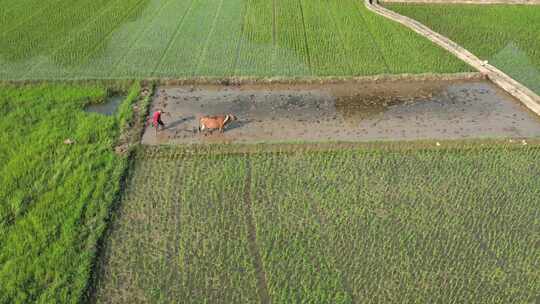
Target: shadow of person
(178, 122)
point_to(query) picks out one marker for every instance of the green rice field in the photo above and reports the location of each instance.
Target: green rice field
(88, 214)
(444, 225)
(507, 36)
(119, 39)
(55, 197)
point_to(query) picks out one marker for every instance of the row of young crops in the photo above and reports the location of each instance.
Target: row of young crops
(177, 38)
(506, 36)
(455, 225)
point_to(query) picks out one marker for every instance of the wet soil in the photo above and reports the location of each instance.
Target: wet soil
(109, 107)
(395, 110)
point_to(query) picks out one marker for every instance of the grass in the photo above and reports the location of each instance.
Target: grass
(366, 224)
(177, 38)
(55, 198)
(505, 35)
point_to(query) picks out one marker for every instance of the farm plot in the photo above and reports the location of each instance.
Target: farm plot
(343, 111)
(504, 35)
(180, 235)
(366, 225)
(177, 38)
(54, 195)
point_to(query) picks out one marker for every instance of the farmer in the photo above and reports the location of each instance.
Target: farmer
(156, 120)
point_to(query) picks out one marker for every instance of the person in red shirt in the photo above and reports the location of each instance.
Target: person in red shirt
(156, 120)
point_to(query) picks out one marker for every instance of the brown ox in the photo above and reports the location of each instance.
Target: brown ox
(215, 122)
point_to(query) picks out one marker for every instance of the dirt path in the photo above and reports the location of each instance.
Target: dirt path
(343, 112)
(487, 2)
(525, 95)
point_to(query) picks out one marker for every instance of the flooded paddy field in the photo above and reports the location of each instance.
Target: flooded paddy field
(108, 108)
(388, 110)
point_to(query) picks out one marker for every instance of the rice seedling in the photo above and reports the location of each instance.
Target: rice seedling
(360, 225)
(177, 38)
(58, 176)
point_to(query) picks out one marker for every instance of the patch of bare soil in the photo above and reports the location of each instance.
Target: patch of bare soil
(392, 110)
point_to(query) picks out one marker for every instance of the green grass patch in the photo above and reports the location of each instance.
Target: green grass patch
(505, 35)
(126, 39)
(55, 197)
(432, 224)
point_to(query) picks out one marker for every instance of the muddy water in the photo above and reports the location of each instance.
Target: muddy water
(109, 107)
(344, 112)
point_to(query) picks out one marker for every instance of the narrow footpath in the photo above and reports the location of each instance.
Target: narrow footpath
(523, 2)
(530, 99)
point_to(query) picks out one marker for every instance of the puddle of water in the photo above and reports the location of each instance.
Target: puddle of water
(345, 112)
(109, 107)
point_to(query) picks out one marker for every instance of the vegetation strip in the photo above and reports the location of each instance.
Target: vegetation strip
(171, 152)
(262, 288)
(309, 79)
(525, 95)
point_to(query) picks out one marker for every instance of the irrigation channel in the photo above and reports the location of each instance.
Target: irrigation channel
(345, 111)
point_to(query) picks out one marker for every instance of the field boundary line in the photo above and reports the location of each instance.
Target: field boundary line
(164, 151)
(475, 2)
(205, 47)
(173, 38)
(139, 36)
(262, 286)
(505, 82)
(240, 80)
(305, 37)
